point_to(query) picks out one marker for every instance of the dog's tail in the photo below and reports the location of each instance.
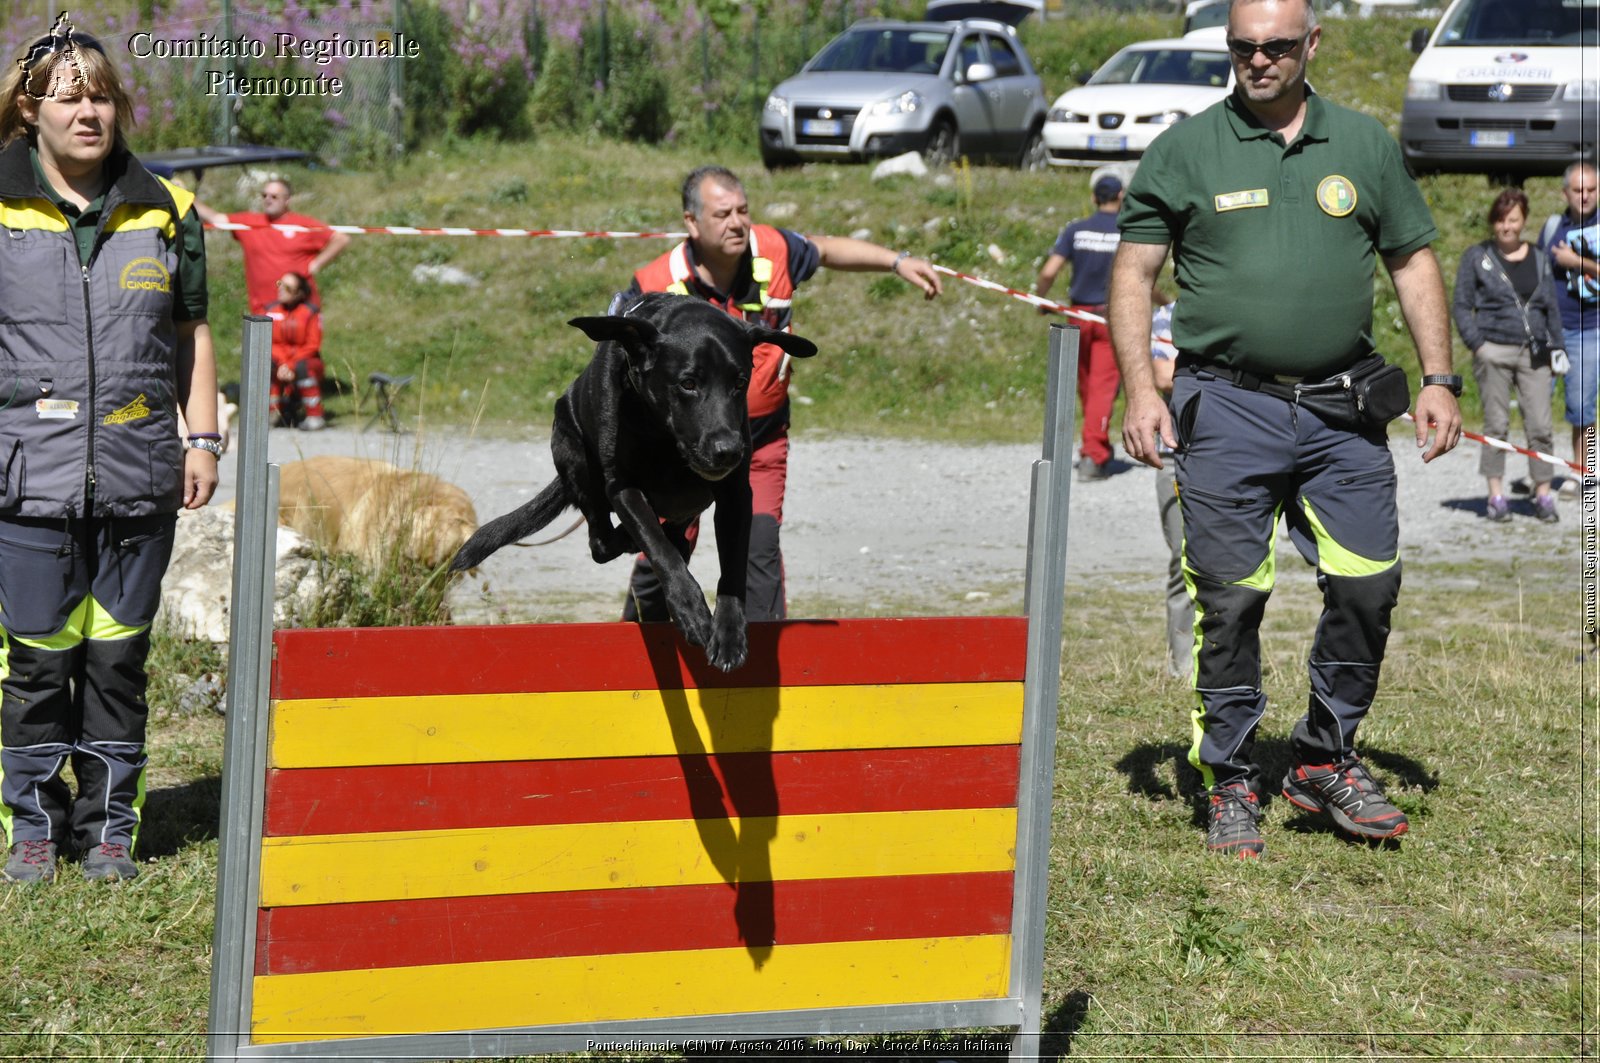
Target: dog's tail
(519, 523)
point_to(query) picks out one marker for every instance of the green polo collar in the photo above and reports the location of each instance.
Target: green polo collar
(1246, 126)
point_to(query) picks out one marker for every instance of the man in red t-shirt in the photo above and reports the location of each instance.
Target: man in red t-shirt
(270, 253)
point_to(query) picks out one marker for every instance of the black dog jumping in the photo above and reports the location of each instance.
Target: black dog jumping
(656, 428)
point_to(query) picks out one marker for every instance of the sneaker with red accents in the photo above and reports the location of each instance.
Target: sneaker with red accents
(109, 862)
(1347, 793)
(1231, 819)
(31, 860)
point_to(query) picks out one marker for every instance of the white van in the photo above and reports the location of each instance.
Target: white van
(1504, 87)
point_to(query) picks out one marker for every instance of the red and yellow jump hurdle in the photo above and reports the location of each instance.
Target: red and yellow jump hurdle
(476, 828)
(531, 838)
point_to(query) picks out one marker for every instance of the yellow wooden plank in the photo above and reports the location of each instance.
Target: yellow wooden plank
(646, 985)
(345, 732)
(342, 868)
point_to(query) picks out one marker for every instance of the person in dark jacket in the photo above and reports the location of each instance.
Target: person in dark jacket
(1505, 309)
(103, 338)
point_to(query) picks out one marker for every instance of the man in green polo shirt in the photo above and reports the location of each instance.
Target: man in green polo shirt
(1277, 205)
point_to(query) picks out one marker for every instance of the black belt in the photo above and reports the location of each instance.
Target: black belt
(1282, 387)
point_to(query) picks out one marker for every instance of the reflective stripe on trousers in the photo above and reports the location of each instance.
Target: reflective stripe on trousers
(1245, 458)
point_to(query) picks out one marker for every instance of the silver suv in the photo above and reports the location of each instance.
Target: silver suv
(880, 88)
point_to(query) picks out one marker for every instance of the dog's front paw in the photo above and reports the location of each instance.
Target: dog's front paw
(730, 643)
(687, 604)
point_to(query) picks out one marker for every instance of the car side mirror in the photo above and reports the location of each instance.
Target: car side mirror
(1082, 77)
(1419, 39)
(979, 72)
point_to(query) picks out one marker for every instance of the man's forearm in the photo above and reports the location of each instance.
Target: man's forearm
(1133, 275)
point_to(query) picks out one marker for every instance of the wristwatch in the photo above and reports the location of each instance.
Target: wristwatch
(1444, 380)
(210, 446)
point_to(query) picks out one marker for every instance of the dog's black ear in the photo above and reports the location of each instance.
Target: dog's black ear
(788, 342)
(631, 331)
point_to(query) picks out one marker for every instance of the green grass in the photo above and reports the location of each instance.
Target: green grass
(1468, 939)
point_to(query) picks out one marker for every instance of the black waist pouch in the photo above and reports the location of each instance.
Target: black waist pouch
(1368, 395)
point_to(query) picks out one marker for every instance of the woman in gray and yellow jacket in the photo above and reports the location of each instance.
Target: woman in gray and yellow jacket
(103, 338)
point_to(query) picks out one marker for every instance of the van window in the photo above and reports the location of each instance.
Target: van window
(1498, 23)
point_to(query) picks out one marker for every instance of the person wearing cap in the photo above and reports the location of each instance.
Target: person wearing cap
(1277, 206)
(103, 335)
(1089, 245)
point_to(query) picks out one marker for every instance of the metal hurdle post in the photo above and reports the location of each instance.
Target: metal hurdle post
(249, 676)
(1046, 582)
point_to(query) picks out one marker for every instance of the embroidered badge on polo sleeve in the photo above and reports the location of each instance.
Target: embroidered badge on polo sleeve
(1254, 197)
(1336, 195)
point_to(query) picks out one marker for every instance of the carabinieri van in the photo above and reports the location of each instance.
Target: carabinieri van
(1504, 87)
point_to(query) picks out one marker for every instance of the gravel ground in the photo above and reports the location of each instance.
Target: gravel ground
(907, 527)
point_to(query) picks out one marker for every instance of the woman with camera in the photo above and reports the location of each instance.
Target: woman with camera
(1505, 310)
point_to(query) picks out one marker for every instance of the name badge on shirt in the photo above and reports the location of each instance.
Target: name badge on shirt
(56, 409)
(1254, 197)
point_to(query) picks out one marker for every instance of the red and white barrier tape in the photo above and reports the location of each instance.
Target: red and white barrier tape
(1038, 300)
(409, 230)
(1501, 444)
(606, 234)
(1016, 293)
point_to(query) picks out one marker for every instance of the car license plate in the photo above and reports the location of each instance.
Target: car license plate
(1108, 143)
(821, 127)
(1492, 138)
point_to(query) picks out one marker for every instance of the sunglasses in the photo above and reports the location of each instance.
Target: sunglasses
(1274, 49)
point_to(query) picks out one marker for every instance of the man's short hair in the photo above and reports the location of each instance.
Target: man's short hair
(288, 189)
(1311, 11)
(1567, 175)
(697, 177)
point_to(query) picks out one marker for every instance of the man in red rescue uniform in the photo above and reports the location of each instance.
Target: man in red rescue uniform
(751, 272)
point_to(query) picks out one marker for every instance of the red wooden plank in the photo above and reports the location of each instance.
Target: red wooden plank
(342, 937)
(513, 658)
(518, 793)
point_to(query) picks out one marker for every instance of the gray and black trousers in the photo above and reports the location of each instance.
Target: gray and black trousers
(1244, 459)
(76, 601)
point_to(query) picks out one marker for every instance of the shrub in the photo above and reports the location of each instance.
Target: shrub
(634, 105)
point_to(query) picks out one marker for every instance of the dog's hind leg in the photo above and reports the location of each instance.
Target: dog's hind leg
(518, 524)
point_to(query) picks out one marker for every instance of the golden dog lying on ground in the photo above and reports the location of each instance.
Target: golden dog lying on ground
(374, 510)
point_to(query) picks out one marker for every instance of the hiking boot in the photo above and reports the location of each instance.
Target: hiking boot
(1231, 821)
(1544, 507)
(1498, 509)
(33, 860)
(1347, 793)
(109, 862)
(313, 424)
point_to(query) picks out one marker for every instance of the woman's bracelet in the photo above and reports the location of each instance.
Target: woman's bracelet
(894, 267)
(206, 435)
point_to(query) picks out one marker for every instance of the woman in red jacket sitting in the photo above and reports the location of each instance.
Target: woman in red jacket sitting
(296, 354)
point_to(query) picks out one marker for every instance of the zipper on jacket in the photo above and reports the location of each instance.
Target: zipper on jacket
(88, 343)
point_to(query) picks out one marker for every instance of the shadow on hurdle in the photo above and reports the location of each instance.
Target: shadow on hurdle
(526, 839)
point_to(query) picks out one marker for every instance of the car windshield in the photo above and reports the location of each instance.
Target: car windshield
(1500, 23)
(1164, 66)
(888, 50)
